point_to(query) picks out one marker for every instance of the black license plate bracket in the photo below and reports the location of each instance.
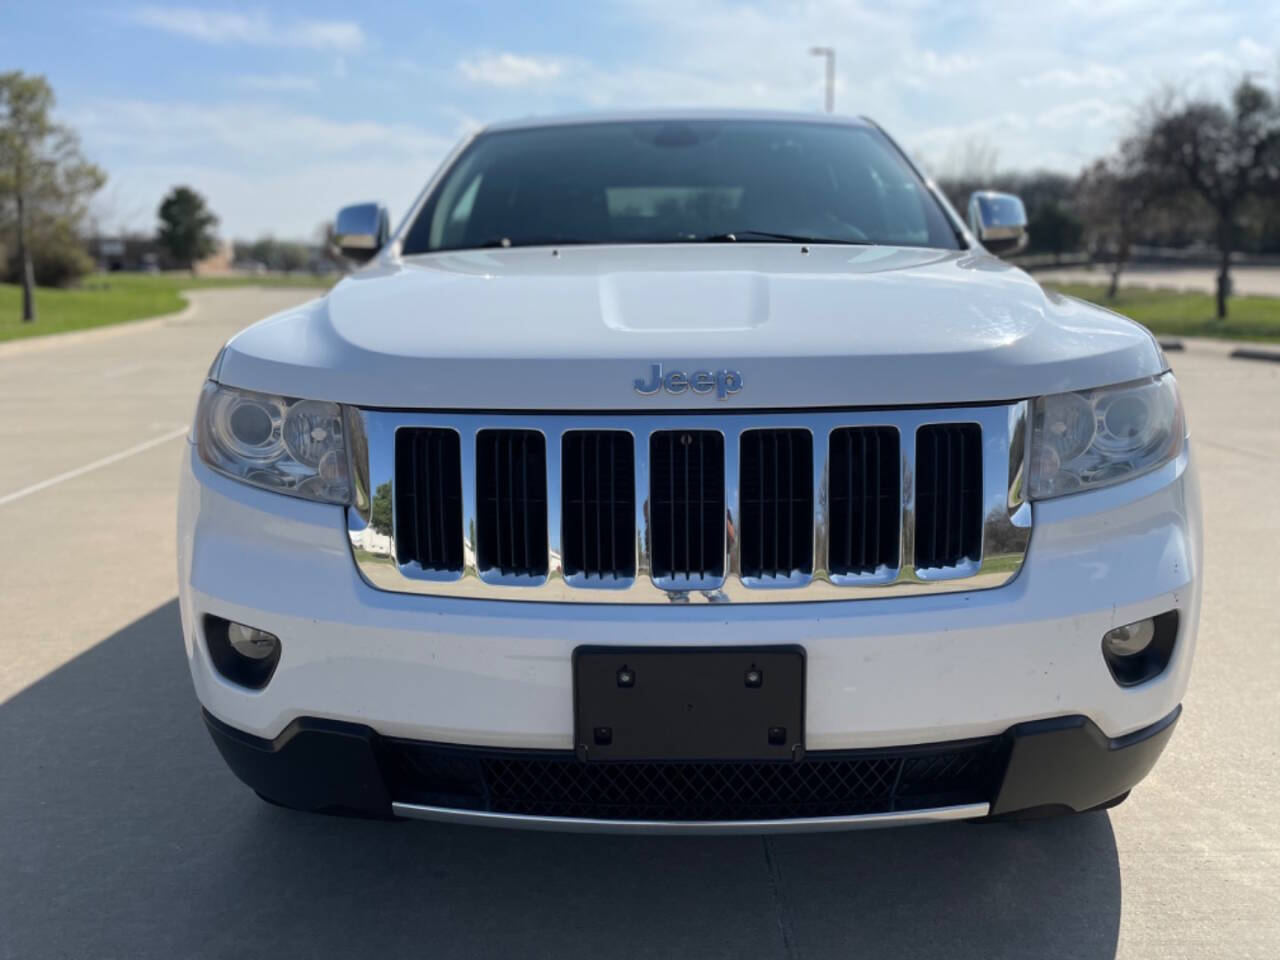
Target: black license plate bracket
(695, 703)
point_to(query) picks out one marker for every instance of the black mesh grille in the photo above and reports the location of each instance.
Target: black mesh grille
(865, 500)
(599, 510)
(428, 499)
(686, 504)
(554, 784)
(948, 494)
(511, 487)
(776, 525)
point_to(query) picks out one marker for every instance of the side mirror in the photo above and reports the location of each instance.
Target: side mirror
(361, 230)
(999, 221)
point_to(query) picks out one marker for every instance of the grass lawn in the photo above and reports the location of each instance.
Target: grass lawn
(106, 298)
(1171, 313)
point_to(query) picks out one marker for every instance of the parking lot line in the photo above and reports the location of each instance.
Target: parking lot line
(96, 464)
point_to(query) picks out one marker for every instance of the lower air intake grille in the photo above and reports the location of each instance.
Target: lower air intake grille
(948, 495)
(686, 501)
(511, 487)
(776, 522)
(428, 499)
(865, 501)
(824, 784)
(598, 481)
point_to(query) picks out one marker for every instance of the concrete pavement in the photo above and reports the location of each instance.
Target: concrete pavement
(1247, 281)
(122, 834)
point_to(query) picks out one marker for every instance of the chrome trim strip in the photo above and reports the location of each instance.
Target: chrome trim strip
(861, 821)
(1006, 529)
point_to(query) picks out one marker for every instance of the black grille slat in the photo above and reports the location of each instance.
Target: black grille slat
(864, 499)
(687, 506)
(948, 495)
(511, 493)
(598, 504)
(825, 783)
(776, 484)
(428, 499)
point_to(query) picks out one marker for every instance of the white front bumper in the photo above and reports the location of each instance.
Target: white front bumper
(881, 672)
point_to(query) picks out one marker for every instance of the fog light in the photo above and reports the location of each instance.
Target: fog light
(1128, 640)
(1140, 651)
(241, 653)
(251, 642)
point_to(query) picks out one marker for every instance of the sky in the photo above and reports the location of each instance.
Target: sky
(280, 113)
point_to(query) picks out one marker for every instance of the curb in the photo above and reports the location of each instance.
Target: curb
(1251, 353)
(48, 341)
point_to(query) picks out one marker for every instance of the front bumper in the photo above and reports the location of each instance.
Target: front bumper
(882, 673)
(1056, 765)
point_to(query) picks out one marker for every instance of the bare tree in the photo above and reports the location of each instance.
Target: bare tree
(1114, 198)
(1225, 155)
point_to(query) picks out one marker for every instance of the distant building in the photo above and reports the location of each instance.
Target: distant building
(139, 253)
(127, 252)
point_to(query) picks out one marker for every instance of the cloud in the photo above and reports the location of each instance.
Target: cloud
(255, 29)
(509, 69)
(1069, 78)
(248, 130)
(1093, 112)
(276, 82)
(265, 168)
(940, 65)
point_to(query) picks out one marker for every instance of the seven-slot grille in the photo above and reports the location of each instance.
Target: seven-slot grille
(776, 489)
(655, 510)
(686, 503)
(511, 486)
(428, 499)
(948, 495)
(599, 513)
(865, 500)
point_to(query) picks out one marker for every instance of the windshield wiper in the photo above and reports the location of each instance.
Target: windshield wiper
(747, 236)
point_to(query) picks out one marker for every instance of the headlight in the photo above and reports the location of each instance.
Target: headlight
(296, 447)
(1080, 441)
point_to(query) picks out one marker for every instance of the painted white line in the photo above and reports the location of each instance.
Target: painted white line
(89, 467)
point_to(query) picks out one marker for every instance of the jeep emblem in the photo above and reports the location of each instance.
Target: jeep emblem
(723, 383)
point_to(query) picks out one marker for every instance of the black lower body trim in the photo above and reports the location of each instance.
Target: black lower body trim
(1062, 764)
(1067, 762)
(321, 765)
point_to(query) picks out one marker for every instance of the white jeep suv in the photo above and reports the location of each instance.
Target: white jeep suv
(689, 472)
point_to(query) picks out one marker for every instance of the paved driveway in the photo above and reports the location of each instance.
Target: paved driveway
(122, 835)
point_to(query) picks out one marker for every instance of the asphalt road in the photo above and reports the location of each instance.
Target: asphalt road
(122, 834)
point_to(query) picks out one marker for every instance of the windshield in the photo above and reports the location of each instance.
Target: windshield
(680, 181)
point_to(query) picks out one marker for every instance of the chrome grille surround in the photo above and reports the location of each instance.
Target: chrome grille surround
(1006, 529)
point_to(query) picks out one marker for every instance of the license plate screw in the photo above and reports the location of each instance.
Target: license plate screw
(603, 736)
(754, 677)
(626, 677)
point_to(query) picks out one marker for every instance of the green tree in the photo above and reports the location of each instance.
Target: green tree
(46, 179)
(186, 227)
(380, 514)
(1226, 155)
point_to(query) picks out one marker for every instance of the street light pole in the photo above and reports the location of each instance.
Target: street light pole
(828, 54)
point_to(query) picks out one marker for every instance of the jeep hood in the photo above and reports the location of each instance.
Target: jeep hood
(573, 329)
